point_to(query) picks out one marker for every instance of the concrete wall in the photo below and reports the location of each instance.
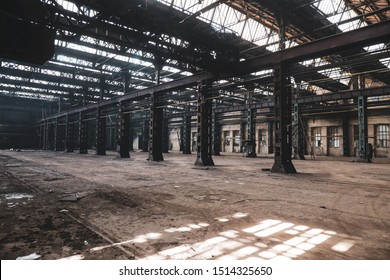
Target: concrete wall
(324, 124)
(230, 136)
(18, 117)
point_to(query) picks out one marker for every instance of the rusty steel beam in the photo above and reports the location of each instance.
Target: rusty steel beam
(342, 95)
(367, 35)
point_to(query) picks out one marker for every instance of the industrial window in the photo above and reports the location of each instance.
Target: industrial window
(334, 138)
(236, 138)
(227, 138)
(382, 136)
(316, 132)
(263, 138)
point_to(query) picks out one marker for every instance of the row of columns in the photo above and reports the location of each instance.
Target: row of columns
(207, 130)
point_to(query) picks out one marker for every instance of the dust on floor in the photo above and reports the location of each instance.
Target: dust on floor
(61, 205)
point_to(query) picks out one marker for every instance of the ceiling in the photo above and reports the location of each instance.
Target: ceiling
(80, 52)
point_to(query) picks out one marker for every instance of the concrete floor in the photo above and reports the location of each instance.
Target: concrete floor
(103, 207)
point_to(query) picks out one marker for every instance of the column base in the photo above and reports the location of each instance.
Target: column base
(205, 162)
(155, 158)
(251, 155)
(286, 167)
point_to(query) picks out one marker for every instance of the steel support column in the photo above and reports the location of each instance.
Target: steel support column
(283, 131)
(204, 126)
(346, 142)
(363, 129)
(216, 129)
(145, 137)
(242, 130)
(155, 130)
(83, 135)
(100, 133)
(156, 121)
(186, 134)
(251, 146)
(298, 133)
(69, 135)
(270, 137)
(131, 134)
(123, 132)
(181, 137)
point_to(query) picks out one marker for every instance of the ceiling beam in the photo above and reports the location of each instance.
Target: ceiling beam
(364, 36)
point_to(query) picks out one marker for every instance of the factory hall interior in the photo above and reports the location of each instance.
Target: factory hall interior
(195, 130)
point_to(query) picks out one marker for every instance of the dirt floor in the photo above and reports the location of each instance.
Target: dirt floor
(61, 205)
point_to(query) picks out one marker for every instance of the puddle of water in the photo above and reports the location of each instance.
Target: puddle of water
(18, 196)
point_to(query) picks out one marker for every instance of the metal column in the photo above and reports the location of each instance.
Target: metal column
(131, 134)
(270, 137)
(251, 146)
(100, 133)
(123, 132)
(346, 141)
(204, 127)
(145, 137)
(363, 129)
(283, 131)
(69, 135)
(216, 129)
(156, 123)
(155, 130)
(186, 134)
(242, 130)
(298, 133)
(83, 135)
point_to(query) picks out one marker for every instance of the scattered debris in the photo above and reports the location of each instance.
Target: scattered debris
(323, 207)
(266, 169)
(176, 186)
(64, 211)
(85, 242)
(33, 256)
(73, 196)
